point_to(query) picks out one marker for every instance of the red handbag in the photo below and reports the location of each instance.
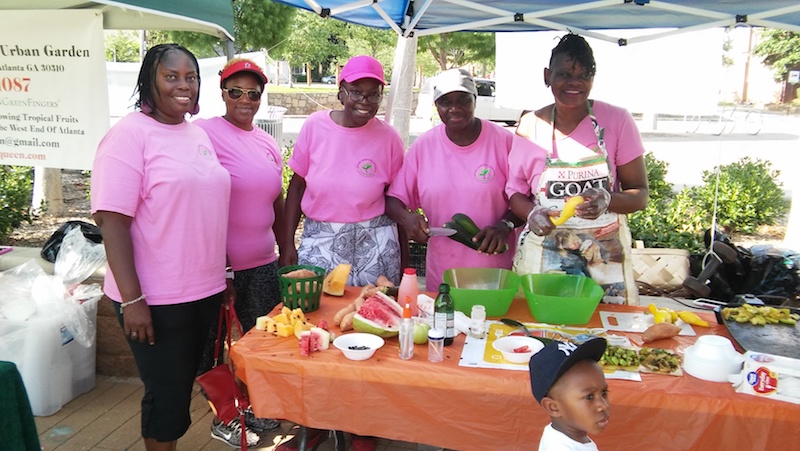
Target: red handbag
(218, 384)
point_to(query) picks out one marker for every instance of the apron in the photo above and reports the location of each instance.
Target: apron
(598, 248)
(371, 247)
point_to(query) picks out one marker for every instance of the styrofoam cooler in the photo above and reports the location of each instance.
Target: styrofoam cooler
(54, 367)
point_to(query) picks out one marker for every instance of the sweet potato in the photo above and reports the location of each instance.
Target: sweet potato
(347, 322)
(337, 318)
(660, 331)
(365, 290)
(359, 302)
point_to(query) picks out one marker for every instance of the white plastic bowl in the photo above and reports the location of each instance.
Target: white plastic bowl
(712, 358)
(347, 342)
(507, 344)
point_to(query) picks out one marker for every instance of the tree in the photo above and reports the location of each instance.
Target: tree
(457, 49)
(324, 42)
(780, 50)
(314, 40)
(122, 46)
(257, 24)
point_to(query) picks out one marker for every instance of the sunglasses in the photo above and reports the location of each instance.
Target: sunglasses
(236, 93)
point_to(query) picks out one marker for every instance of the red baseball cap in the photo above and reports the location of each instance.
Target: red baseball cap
(242, 65)
(362, 66)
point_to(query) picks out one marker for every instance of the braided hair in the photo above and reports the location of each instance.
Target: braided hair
(577, 49)
(147, 75)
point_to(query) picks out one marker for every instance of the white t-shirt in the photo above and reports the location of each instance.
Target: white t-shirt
(553, 440)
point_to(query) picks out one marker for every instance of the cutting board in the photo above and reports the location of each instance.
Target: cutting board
(776, 339)
(636, 322)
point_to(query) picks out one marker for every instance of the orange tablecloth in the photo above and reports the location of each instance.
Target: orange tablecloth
(465, 408)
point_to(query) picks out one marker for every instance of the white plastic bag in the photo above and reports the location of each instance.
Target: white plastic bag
(78, 258)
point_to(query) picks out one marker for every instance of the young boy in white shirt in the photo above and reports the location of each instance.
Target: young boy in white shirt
(570, 386)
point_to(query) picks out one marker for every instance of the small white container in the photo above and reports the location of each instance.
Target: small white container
(435, 345)
(712, 358)
(478, 327)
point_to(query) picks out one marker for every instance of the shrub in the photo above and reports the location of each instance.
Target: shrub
(749, 196)
(658, 225)
(15, 197)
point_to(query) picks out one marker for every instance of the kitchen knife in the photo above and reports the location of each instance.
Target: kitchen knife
(441, 231)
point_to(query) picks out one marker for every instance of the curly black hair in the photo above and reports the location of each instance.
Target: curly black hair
(577, 49)
(147, 74)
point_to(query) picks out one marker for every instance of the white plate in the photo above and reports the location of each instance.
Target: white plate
(637, 322)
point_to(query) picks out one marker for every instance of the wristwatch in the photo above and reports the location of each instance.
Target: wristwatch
(508, 223)
(229, 272)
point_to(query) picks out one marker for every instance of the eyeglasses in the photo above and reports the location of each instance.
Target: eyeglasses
(236, 93)
(357, 96)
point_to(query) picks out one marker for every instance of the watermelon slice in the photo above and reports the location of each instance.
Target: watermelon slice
(380, 315)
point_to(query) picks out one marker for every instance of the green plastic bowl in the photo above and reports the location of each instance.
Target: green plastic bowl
(561, 298)
(494, 288)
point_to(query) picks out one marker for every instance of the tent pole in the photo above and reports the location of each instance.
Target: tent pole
(398, 105)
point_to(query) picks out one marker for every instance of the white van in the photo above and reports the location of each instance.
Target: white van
(485, 107)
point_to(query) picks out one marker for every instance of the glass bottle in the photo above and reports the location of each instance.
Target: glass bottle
(444, 314)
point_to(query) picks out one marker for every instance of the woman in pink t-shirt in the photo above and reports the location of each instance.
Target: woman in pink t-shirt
(582, 147)
(160, 197)
(343, 162)
(460, 166)
(253, 159)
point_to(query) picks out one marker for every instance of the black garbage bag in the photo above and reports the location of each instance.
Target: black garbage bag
(761, 270)
(53, 244)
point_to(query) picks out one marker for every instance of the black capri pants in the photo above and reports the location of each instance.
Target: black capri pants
(168, 368)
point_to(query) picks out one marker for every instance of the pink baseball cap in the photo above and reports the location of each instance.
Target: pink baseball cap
(242, 65)
(362, 66)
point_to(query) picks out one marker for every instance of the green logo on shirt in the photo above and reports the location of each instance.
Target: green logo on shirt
(366, 167)
(484, 173)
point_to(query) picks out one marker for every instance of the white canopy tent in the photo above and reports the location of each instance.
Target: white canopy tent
(595, 18)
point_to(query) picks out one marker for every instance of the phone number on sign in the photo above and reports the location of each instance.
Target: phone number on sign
(15, 84)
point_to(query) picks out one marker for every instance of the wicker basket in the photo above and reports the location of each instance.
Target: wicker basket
(664, 269)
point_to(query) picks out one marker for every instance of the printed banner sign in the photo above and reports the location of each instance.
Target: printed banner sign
(53, 88)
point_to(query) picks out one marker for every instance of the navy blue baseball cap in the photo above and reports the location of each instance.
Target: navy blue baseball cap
(549, 364)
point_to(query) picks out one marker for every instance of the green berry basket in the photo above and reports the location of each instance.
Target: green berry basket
(301, 292)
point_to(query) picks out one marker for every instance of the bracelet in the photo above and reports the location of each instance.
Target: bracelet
(229, 272)
(131, 302)
(508, 224)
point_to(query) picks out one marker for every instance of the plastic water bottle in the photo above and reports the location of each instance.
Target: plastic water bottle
(409, 290)
(406, 334)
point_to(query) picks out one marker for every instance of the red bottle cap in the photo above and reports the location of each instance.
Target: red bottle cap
(410, 271)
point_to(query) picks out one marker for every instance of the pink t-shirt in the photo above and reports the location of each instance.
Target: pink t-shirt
(254, 162)
(169, 180)
(346, 169)
(623, 143)
(444, 178)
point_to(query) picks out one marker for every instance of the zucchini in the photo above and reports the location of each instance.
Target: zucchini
(461, 235)
(467, 223)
